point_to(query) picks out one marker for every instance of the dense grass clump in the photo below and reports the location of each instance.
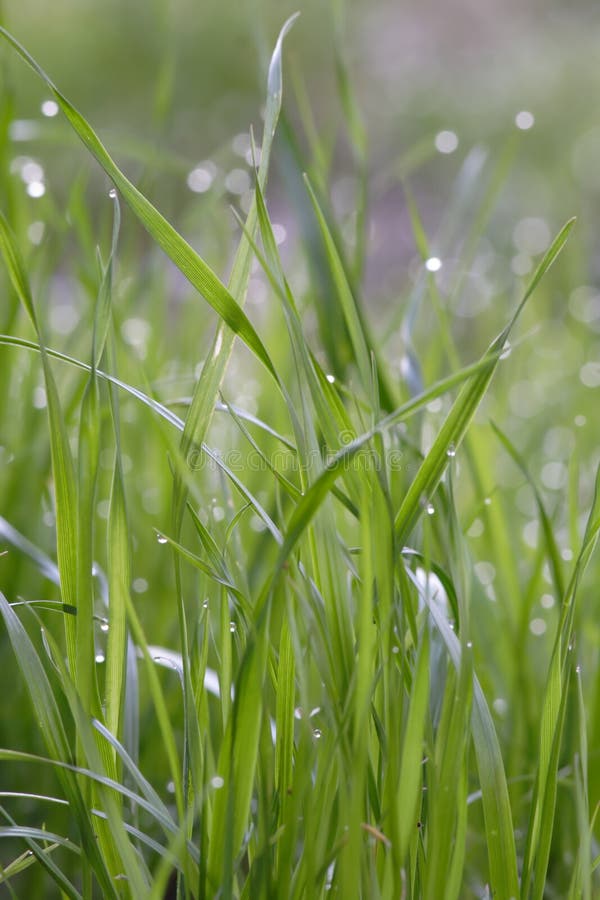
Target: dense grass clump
(275, 630)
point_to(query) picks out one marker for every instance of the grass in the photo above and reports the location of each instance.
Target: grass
(275, 630)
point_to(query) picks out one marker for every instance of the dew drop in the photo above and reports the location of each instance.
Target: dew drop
(451, 451)
(232, 627)
(395, 649)
(205, 604)
(506, 350)
(100, 657)
(161, 539)
(112, 194)
(433, 264)
(217, 782)
(317, 733)
(298, 712)
(578, 669)
(430, 509)
(470, 645)
(104, 626)
(330, 379)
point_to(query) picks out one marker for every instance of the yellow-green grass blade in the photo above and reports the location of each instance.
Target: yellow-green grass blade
(408, 795)
(62, 461)
(31, 836)
(51, 726)
(195, 269)
(499, 829)
(284, 744)
(356, 328)
(343, 459)
(541, 821)
(208, 385)
(550, 541)
(455, 426)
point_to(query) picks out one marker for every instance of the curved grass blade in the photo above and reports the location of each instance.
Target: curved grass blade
(195, 269)
(62, 462)
(319, 489)
(50, 721)
(31, 836)
(552, 549)
(541, 821)
(455, 426)
(494, 790)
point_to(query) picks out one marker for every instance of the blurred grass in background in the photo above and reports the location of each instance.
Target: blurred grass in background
(471, 133)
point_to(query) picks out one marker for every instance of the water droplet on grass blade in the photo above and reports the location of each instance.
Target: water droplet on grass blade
(430, 509)
(317, 733)
(104, 626)
(232, 627)
(112, 194)
(100, 658)
(161, 539)
(451, 451)
(506, 350)
(217, 782)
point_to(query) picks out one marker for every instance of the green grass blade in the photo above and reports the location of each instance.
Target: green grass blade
(50, 721)
(356, 328)
(62, 462)
(551, 547)
(195, 269)
(492, 778)
(455, 426)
